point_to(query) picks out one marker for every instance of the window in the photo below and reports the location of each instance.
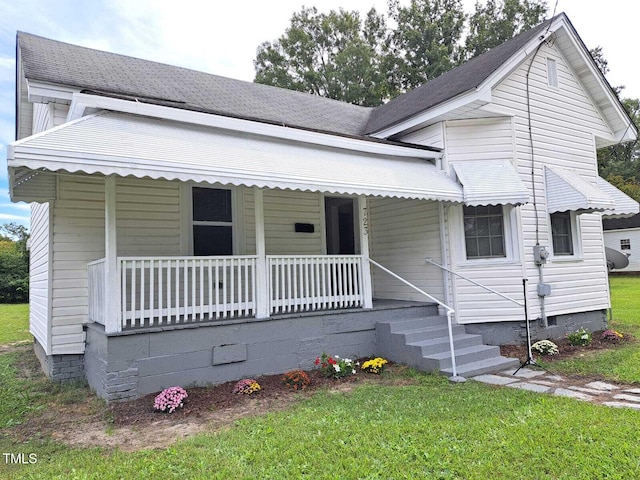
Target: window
(625, 244)
(212, 221)
(552, 73)
(561, 233)
(484, 232)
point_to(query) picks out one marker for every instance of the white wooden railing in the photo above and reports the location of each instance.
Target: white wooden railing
(97, 290)
(174, 290)
(300, 283)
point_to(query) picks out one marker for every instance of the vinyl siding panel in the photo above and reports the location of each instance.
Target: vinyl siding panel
(42, 118)
(403, 233)
(39, 274)
(431, 136)
(284, 208)
(59, 113)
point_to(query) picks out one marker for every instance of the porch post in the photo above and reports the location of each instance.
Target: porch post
(262, 285)
(367, 284)
(112, 283)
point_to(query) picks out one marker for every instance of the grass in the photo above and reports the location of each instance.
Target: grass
(14, 323)
(621, 364)
(428, 429)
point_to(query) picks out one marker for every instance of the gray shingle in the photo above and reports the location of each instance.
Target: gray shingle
(61, 63)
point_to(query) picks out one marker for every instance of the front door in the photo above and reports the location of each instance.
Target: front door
(340, 225)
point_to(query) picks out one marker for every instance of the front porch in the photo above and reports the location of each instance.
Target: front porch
(169, 291)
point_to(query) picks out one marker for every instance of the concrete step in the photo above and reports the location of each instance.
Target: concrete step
(419, 334)
(401, 323)
(465, 356)
(489, 365)
(434, 346)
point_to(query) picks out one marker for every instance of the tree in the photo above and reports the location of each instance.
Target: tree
(425, 41)
(499, 20)
(14, 264)
(335, 55)
(339, 55)
(620, 164)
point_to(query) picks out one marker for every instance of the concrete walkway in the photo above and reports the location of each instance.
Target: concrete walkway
(542, 382)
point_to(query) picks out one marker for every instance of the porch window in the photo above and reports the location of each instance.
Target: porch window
(484, 232)
(212, 221)
(561, 233)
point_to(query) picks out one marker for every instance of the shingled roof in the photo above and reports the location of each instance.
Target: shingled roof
(464, 78)
(621, 223)
(92, 70)
(105, 73)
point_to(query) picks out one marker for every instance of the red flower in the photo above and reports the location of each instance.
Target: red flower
(331, 361)
(317, 362)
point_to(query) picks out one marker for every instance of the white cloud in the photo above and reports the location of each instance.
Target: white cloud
(8, 217)
(17, 206)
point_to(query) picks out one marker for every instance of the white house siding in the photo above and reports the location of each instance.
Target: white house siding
(564, 123)
(39, 274)
(282, 210)
(403, 233)
(41, 117)
(59, 113)
(612, 240)
(432, 136)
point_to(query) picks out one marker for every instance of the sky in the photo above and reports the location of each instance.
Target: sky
(222, 39)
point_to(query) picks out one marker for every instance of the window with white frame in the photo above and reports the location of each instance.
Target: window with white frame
(484, 232)
(562, 233)
(212, 221)
(625, 244)
(552, 73)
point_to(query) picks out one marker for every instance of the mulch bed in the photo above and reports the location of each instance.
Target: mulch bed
(566, 350)
(219, 397)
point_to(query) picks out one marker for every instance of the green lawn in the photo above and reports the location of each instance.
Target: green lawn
(621, 364)
(428, 428)
(14, 323)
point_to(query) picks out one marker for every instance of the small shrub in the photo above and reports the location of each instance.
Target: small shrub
(581, 337)
(375, 365)
(611, 336)
(545, 347)
(246, 386)
(296, 380)
(170, 399)
(335, 367)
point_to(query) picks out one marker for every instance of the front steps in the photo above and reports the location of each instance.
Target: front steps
(419, 337)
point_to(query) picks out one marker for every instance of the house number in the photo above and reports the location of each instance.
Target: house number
(365, 221)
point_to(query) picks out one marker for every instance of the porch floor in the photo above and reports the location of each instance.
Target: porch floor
(378, 305)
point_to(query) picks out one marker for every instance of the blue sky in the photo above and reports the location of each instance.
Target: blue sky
(222, 39)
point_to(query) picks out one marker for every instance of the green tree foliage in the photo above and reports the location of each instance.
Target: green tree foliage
(14, 264)
(336, 55)
(620, 164)
(424, 44)
(499, 20)
(359, 60)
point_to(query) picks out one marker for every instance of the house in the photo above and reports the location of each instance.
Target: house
(623, 235)
(189, 228)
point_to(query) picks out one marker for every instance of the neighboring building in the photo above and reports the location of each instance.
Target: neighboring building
(189, 228)
(623, 234)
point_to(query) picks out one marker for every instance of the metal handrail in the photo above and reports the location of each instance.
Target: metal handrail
(520, 304)
(450, 312)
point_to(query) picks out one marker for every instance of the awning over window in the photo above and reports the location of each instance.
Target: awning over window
(127, 145)
(492, 182)
(625, 205)
(567, 190)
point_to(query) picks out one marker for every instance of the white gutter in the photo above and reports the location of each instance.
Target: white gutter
(82, 101)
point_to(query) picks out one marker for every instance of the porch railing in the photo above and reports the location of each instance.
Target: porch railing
(97, 290)
(305, 283)
(174, 290)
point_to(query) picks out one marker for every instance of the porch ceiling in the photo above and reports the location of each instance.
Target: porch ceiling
(112, 143)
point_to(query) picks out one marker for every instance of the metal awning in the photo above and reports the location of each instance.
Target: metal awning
(110, 143)
(625, 205)
(567, 190)
(493, 182)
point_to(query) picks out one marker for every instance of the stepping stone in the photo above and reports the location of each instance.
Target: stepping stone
(532, 387)
(563, 392)
(587, 390)
(525, 373)
(635, 391)
(629, 398)
(605, 387)
(622, 404)
(495, 379)
(554, 378)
